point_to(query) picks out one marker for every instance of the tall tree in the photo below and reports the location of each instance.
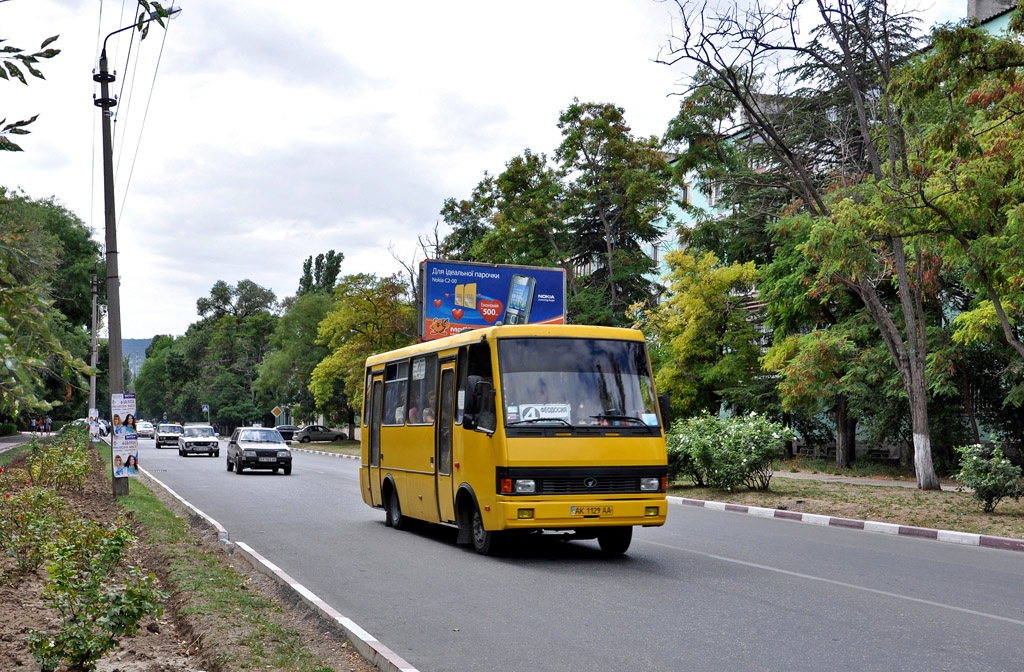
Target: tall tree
(858, 240)
(322, 275)
(617, 201)
(372, 314)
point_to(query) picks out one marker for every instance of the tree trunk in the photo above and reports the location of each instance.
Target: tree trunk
(787, 419)
(846, 434)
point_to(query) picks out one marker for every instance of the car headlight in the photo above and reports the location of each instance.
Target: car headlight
(283, 453)
(525, 486)
(650, 484)
(249, 453)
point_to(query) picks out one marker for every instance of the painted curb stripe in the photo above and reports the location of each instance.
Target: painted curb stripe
(949, 536)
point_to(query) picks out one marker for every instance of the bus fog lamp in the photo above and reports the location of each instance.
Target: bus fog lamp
(650, 484)
(525, 486)
(525, 514)
(651, 511)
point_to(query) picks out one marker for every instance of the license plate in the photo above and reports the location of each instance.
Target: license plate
(268, 459)
(590, 510)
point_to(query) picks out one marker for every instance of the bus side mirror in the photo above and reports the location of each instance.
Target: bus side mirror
(480, 414)
(665, 408)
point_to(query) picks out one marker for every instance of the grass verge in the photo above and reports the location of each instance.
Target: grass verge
(207, 586)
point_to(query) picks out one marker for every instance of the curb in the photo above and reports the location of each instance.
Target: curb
(366, 644)
(949, 536)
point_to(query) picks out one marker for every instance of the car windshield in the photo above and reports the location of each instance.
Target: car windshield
(171, 429)
(199, 431)
(576, 381)
(261, 436)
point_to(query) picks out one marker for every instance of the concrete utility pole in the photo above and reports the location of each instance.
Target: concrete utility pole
(116, 367)
(105, 102)
(92, 360)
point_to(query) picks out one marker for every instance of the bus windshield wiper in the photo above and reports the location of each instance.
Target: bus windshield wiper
(628, 418)
(533, 421)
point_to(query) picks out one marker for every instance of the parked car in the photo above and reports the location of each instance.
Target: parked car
(286, 431)
(258, 448)
(167, 434)
(145, 430)
(199, 439)
(318, 433)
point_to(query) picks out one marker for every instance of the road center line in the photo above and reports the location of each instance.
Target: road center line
(842, 584)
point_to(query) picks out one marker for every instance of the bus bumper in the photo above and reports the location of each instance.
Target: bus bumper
(571, 514)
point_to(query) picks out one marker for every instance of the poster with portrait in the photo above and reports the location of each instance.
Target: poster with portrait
(124, 441)
(94, 424)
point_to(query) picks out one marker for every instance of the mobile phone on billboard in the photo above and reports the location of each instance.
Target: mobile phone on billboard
(520, 299)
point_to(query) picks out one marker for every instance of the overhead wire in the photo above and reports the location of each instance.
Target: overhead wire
(145, 114)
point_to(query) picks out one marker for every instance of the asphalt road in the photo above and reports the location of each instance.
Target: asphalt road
(708, 591)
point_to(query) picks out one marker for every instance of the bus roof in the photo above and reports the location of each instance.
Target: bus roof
(508, 331)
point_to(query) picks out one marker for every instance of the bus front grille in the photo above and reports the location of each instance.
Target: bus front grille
(583, 486)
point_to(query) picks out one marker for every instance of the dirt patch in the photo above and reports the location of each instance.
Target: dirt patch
(181, 640)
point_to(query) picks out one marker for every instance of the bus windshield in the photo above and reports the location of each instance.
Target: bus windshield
(576, 381)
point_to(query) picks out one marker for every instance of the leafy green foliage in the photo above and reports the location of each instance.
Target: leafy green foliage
(704, 331)
(726, 453)
(63, 463)
(12, 61)
(29, 517)
(371, 314)
(97, 600)
(987, 471)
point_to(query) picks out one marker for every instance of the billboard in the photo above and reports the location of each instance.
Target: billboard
(460, 295)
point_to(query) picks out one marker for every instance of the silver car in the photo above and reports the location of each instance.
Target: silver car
(258, 448)
(199, 439)
(318, 433)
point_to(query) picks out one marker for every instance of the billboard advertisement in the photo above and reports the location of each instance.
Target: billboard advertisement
(459, 295)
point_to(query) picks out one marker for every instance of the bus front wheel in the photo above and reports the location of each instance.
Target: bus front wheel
(615, 540)
(394, 512)
(484, 542)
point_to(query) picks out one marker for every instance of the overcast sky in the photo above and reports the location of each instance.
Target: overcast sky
(267, 132)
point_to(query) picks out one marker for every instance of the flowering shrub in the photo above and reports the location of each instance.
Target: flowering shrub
(28, 518)
(96, 600)
(989, 474)
(62, 464)
(726, 453)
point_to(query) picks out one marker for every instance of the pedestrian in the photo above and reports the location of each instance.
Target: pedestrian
(33, 426)
(49, 421)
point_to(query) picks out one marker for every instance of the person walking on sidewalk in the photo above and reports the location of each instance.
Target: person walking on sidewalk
(49, 422)
(33, 426)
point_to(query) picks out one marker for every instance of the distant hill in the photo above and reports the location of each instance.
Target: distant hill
(135, 350)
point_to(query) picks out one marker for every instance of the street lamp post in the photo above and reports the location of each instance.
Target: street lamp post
(105, 102)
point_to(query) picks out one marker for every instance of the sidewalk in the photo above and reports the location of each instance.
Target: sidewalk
(12, 440)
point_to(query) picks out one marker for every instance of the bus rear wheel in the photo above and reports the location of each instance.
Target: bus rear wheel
(394, 512)
(484, 542)
(615, 540)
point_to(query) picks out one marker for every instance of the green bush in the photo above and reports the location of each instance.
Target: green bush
(989, 474)
(726, 453)
(8, 428)
(96, 601)
(29, 517)
(63, 463)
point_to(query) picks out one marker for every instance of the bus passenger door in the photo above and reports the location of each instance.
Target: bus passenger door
(375, 415)
(443, 446)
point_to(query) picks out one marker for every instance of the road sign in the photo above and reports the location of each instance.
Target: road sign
(277, 411)
(206, 408)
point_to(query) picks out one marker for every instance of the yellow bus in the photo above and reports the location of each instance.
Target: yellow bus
(514, 429)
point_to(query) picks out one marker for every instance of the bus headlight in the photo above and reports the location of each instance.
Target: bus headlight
(525, 486)
(650, 484)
